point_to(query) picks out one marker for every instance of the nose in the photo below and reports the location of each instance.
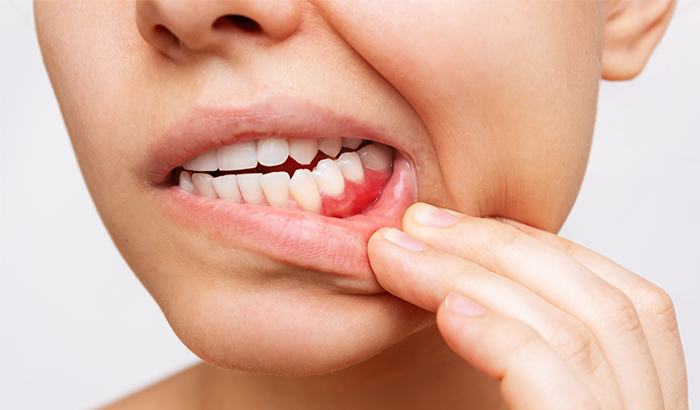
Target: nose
(180, 26)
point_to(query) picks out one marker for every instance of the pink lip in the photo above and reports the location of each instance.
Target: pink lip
(331, 245)
(205, 129)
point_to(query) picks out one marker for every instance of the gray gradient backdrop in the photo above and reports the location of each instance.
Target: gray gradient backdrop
(78, 330)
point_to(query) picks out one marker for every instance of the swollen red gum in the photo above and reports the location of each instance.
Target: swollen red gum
(358, 197)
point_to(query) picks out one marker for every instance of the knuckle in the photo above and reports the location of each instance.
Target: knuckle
(523, 341)
(570, 248)
(578, 347)
(500, 237)
(619, 315)
(655, 306)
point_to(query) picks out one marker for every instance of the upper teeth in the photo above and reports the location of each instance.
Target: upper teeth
(277, 187)
(302, 151)
(330, 146)
(272, 151)
(268, 152)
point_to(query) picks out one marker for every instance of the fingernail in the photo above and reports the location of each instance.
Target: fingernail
(428, 215)
(405, 241)
(462, 305)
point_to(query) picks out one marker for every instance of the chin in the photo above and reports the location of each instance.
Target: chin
(293, 333)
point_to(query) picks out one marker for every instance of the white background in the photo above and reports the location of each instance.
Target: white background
(78, 330)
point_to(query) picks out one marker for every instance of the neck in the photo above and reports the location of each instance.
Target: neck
(417, 373)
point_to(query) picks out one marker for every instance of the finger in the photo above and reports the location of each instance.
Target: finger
(532, 375)
(557, 278)
(425, 276)
(655, 307)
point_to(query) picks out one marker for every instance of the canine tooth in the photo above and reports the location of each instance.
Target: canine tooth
(376, 156)
(330, 146)
(204, 162)
(275, 185)
(303, 188)
(303, 151)
(329, 178)
(186, 181)
(226, 186)
(272, 151)
(250, 188)
(351, 167)
(351, 142)
(242, 155)
(202, 185)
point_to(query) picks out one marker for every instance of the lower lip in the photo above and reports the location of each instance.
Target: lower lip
(331, 245)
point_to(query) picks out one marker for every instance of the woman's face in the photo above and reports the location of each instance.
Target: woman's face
(489, 105)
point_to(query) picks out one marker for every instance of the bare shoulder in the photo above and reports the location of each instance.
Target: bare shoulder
(179, 391)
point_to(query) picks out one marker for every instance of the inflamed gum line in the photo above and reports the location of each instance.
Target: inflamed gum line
(334, 176)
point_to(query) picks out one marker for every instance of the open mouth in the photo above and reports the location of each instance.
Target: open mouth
(285, 180)
(331, 176)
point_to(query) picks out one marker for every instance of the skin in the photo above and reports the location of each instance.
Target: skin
(495, 105)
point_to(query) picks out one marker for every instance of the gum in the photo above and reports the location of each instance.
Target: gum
(358, 198)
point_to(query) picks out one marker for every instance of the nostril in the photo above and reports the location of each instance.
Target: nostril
(242, 22)
(167, 35)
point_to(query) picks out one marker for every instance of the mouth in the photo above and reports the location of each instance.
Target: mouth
(332, 176)
(290, 182)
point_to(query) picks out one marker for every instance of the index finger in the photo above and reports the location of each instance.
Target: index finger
(656, 312)
(559, 279)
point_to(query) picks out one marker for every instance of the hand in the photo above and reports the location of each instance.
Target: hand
(558, 324)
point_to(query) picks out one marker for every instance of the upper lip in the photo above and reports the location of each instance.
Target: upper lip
(207, 128)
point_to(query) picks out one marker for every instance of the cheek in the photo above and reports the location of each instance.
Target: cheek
(507, 91)
(86, 47)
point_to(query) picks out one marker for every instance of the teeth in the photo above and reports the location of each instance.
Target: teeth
(226, 187)
(351, 167)
(269, 152)
(237, 156)
(303, 151)
(352, 143)
(202, 185)
(330, 146)
(186, 181)
(272, 151)
(275, 185)
(203, 163)
(250, 188)
(304, 190)
(329, 178)
(376, 157)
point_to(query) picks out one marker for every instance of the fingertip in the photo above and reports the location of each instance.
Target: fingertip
(456, 319)
(461, 332)
(386, 251)
(409, 216)
(462, 305)
(378, 235)
(376, 246)
(454, 313)
(386, 247)
(433, 217)
(404, 240)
